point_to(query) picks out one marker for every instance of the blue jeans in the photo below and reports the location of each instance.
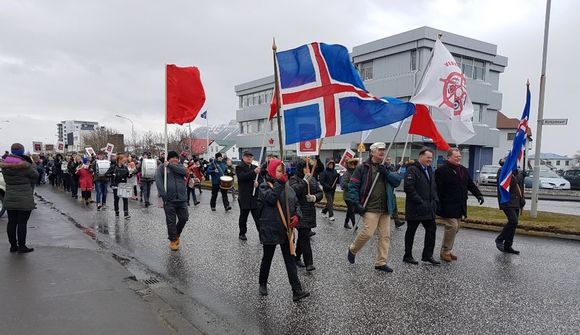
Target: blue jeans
(101, 187)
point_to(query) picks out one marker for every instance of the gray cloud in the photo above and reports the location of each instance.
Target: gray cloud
(93, 59)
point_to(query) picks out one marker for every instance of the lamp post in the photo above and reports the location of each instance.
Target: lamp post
(132, 128)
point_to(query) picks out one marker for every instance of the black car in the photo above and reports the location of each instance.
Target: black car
(573, 176)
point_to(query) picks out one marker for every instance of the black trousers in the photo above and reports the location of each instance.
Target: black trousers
(214, 193)
(192, 192)
(146, 193)
(329, 204)
(243, 221)
(509, 230)
(289, 261)
(74, 186)
(176, 215)
(16, 228)
(66, 182)
(350, 215)
(430, 230)
(116, 202)
(86, 195)
(303, 246)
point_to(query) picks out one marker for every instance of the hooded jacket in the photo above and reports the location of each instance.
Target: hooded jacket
(19, 175)
(329, 178)
(302, 188)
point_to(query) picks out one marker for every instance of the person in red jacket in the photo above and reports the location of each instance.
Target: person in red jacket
(85, 181)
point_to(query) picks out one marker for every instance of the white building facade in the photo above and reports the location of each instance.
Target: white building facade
(71, 132)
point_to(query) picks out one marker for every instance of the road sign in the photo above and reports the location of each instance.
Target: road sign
(555, 122)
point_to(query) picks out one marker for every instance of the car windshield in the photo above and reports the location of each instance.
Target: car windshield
(489, 169)
(548, 174)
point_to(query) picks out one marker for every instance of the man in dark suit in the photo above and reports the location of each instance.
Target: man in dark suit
(453, 181)
(512, 210)
(420, 206)
(248, 191)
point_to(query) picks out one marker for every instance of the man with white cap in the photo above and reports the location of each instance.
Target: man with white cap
(379, 202)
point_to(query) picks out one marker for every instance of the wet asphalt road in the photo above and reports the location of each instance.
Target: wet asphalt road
(485, 292)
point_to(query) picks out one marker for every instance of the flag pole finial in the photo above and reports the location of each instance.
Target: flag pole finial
(528, 82)
(439, 35)
(274, 47)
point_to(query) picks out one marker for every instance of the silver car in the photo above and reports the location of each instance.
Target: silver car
(488, 175)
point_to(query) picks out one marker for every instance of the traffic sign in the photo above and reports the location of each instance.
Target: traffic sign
(555, 122)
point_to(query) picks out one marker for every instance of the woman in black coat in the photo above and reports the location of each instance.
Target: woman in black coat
(119, 174)
(308, 193)
(273, 226)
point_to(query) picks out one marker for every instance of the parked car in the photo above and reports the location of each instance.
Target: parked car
(2, 192)
(488, 175)
(573, 176)
(548, 180)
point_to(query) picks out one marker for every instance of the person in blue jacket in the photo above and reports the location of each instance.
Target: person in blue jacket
(216, 170)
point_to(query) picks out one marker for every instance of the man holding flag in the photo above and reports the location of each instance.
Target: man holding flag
(510, 184)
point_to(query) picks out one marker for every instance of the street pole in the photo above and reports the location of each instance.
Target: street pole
(132, 128)
(537, 158)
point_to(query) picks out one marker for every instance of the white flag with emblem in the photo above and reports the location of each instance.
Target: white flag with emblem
(444, 90)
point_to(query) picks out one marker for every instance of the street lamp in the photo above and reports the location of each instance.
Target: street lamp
(132, 128)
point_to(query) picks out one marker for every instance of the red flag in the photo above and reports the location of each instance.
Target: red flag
(185, 94)
(273, 104)
(422, 124)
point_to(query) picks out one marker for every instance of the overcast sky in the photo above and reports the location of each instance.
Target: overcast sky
(90, 60)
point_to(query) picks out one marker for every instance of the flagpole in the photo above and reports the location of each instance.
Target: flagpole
(207, 135)
(190, 142)
(260, 161)
(537, 158)
(290, 231)
(165, 169)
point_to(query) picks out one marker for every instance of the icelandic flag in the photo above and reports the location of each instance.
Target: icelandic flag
(204, 115)
(322, 95)
(510, 163)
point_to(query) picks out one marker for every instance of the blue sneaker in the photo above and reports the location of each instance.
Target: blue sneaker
(350, 257)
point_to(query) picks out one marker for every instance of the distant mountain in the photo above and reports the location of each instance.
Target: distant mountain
(218, 132)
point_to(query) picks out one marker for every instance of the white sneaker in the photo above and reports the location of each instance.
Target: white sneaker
(324, 215)
(331, 218)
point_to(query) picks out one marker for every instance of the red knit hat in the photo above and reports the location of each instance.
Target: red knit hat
(272, 166)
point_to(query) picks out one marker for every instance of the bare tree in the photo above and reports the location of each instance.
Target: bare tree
(98, 138)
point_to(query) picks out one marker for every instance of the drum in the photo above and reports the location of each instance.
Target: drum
(226, 182)
(103, 166)
(64, 166)
(148, 168)
(124, 190)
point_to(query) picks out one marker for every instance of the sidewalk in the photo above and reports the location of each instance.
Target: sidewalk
(69, 286)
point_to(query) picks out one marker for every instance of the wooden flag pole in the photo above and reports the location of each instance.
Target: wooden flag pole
(289, 230)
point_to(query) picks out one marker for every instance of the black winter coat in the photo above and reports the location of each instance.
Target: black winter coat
(328, 180)
(272, 230)
(517, 201)
(118, 174)
(452, 190)
(246, 177)
(308, 209)
(422, 199)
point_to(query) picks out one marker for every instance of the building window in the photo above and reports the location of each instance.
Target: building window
(413, 60)
(567, 163)
(241, 102)
(511, 136)
(273, 123)
(467, 67)
(261, 124)
(558, 163)
(477, 113)
(366, 70)
(478, 69)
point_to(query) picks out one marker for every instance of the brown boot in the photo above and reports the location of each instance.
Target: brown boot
(446, 256)
(453, 257)
(173, 245)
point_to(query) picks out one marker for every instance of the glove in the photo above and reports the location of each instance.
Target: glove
(310, 198)
(480, 200)
(307, 177)
(383, 170)
(359, 209)
(293, 221)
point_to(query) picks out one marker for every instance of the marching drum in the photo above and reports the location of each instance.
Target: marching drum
(124, 190)
(226, 182)
(103, 166)
(148, 168)
(64, 166)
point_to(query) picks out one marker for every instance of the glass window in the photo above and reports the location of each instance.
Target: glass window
(558, 163)
(478, 70)
(261, 125)
(260, 98)
(366, 70)
(477, 113)
(241, 102)
(567, 163)
(511, 136)
(241, 127)
(467, 67)
(413, 60)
